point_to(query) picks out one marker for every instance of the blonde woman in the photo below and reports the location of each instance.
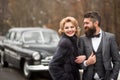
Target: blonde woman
(63, 66)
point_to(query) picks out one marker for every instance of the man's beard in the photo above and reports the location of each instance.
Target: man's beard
(90, 31)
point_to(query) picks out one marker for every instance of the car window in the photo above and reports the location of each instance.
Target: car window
(32, 37)
(8, 35)
(17, 36)
(12, 35)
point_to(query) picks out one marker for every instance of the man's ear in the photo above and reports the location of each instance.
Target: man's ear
(96, 23)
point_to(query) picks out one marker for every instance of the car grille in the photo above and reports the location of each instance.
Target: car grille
(46, 61)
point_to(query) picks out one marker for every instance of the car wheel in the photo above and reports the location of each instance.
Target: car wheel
(26, 72)
(3, 63)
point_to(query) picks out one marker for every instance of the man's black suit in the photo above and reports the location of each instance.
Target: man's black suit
(109, 53)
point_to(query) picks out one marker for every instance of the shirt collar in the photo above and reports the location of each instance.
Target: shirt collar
(99, 33)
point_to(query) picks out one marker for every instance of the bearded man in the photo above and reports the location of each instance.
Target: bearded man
(101, 50)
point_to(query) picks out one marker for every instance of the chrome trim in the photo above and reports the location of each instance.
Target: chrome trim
(37, 68)
(44, 66)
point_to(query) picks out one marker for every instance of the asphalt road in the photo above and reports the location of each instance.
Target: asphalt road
(16, 74)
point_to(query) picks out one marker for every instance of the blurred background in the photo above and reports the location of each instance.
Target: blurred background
(48, 13)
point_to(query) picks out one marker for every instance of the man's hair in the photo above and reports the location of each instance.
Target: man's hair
(94, 16)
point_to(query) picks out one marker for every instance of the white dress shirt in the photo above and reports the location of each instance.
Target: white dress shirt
(96, 41)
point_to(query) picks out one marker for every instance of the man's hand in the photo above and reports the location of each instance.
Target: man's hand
(91, 60)
(80, 59)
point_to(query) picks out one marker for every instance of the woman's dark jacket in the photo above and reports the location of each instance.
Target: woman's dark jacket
(63, 66)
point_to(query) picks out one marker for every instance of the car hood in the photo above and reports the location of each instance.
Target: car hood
(44, 50)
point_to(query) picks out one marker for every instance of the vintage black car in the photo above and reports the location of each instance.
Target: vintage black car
(29, 49)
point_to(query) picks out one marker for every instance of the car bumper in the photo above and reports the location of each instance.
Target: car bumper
(37, 68)
(44, 66)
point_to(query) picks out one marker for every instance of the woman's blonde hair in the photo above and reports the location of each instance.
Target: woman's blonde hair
(73, 21)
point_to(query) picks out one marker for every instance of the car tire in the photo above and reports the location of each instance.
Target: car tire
(3, 63)
(26, 72)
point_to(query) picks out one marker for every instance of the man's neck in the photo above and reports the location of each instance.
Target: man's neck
(97, 30)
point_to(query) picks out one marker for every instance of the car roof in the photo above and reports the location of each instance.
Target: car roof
(30, 29)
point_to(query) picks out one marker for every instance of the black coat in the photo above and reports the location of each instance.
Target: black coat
(62, 66)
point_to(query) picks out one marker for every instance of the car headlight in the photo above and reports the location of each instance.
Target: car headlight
(36, 56)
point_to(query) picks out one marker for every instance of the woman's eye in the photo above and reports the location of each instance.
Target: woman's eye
(72, 26)
(66, 27)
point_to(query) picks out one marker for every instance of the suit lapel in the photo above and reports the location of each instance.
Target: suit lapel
(104, 43)
(89, 43)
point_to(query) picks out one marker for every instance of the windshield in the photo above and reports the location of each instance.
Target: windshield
(31, 37)
(50, 37)
(40, 37)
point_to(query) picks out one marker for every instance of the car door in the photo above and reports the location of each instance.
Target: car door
(11, 54)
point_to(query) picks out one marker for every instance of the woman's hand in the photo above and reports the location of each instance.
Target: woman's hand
(80, 59)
